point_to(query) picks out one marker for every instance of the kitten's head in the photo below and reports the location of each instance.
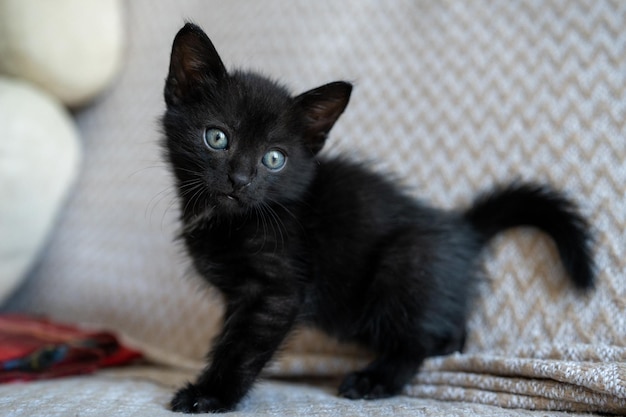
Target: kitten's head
(236, 140)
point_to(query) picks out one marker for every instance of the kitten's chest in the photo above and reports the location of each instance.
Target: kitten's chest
(230, 240)
(240, 248)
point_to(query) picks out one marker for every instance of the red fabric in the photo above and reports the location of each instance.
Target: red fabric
(36, 348)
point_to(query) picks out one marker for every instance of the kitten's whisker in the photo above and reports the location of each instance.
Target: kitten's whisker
(155, 200)
(197, 190)
(275, 219)
(190, 183)
(197, 196)
(167, 209)
(184, 190)
(260, 215)
(190, 171)
(264, 226)
(265, 220)
(139, 170)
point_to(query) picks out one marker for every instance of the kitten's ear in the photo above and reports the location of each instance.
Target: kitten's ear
(321, 107)
(194, 60)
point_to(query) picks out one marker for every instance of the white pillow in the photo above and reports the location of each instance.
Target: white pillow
(39, 159)
(71, 49)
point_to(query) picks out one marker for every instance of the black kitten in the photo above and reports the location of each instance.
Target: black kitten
(290, 237)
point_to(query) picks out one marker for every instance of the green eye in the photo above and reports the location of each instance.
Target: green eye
(274, 160)
(215, 139)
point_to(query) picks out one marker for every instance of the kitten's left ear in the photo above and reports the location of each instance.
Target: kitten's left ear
(321, 107)
(194, 61)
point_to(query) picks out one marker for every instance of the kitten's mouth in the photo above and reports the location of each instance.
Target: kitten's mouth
(230, 199)
(231, 202)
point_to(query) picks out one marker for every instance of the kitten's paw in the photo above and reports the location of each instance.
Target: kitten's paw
(193, 400)
(365, 385)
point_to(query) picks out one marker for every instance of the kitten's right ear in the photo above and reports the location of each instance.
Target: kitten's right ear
(321, 107)
(194, 61)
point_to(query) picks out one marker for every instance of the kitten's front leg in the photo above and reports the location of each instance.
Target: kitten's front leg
(254, 329)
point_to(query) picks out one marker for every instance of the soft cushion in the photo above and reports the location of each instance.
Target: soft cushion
(39, 158)
(72, 49)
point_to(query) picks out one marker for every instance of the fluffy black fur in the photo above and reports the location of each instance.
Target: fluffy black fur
(291, 238)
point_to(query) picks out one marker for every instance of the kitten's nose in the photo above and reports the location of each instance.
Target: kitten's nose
(239, 180)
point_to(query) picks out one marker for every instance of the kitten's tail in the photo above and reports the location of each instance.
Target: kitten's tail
(524, 204)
